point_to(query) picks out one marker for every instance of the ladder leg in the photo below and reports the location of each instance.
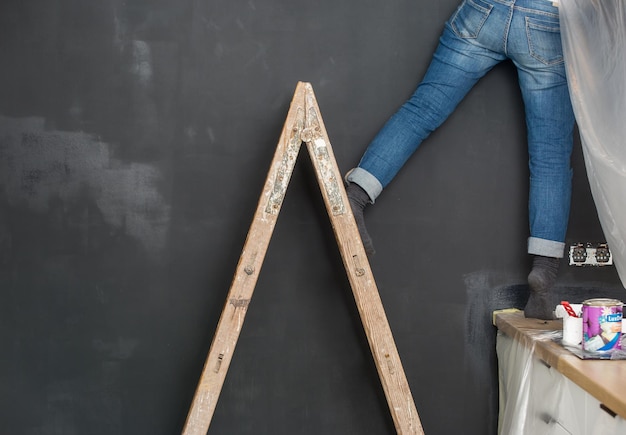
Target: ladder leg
(369, 304)
(247, 272)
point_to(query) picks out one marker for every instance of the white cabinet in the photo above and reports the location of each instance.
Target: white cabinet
(536, 399)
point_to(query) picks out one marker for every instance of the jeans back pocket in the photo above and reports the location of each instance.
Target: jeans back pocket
(544, 40)
(469, 18)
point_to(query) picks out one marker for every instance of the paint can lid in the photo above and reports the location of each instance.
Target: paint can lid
(602, 302)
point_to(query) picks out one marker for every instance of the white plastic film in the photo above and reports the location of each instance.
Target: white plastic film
(594, 45)
(533, 398)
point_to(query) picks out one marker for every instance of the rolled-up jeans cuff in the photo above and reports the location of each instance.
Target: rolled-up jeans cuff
(367, 181)
(545, 248)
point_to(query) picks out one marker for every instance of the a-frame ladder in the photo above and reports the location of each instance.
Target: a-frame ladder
(304, 124)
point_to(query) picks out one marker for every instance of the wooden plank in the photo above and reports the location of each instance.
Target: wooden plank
(366, 295)
(247, 272)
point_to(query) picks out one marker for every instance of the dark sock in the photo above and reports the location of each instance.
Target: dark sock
(358, 200)
(541, 279)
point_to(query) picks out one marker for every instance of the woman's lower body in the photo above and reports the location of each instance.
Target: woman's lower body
(478, 36)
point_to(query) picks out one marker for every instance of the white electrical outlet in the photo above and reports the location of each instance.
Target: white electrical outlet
(588, 254)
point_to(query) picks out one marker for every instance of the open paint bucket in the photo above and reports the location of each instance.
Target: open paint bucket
(602, 325)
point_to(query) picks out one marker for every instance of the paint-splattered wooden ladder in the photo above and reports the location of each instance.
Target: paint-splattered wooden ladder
(304, 124)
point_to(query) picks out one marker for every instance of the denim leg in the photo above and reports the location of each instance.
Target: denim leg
(458, 63)
(550, 140)
(550, 124)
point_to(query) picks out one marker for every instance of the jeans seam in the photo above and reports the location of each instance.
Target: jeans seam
(506, 33)
(536, 12)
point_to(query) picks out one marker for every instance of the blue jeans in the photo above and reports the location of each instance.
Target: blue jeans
(479, 35)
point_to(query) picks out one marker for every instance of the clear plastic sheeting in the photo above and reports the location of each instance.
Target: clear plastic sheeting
(594, 45)
(528, 404)
(537, 399)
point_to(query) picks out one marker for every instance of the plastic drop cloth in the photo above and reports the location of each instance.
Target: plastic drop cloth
(528, 403)
(536, 399)
(593, 33)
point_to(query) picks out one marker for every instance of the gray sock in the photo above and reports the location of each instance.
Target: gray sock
(358, 200)
(541, 279)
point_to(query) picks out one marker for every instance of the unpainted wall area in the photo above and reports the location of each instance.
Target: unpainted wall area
(135, 137)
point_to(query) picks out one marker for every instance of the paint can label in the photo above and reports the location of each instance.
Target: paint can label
(602, 325)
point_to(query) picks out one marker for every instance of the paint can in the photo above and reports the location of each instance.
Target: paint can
(602, 325)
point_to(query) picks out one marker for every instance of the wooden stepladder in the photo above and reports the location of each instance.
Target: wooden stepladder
(304, 124)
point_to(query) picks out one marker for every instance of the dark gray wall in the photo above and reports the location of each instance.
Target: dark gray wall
(135, 137)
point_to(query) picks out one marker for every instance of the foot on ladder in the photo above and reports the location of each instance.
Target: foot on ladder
(358, 200)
